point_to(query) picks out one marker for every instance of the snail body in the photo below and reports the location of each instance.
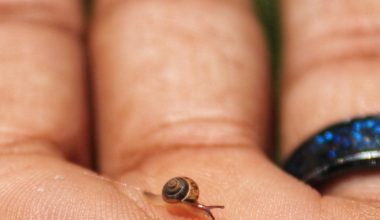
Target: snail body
(185, 190)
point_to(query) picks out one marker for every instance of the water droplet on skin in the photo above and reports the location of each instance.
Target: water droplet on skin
(59, 177)
(40, 189)
(87, 173)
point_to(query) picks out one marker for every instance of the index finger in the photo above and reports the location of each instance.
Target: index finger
(42, 86)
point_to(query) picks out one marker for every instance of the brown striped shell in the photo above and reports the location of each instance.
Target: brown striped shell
(180, 189)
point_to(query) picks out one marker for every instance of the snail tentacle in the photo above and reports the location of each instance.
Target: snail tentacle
(207, 208)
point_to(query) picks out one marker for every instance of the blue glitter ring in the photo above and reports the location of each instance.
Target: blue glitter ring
(343, 147)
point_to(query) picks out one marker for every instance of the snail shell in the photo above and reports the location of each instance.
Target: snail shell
(180, 189)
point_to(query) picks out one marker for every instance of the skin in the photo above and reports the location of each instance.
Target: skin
(179, 88)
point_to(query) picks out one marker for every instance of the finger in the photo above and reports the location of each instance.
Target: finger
(177, 75)
(182, 90)
(42, 116)
(331, 74)
(42, 80)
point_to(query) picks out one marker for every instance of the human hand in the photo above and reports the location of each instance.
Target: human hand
(179, 88)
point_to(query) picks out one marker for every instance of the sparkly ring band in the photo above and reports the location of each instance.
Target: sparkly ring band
(340, 148)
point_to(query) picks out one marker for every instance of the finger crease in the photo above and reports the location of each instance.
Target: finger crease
(43, 15)
(140, 159)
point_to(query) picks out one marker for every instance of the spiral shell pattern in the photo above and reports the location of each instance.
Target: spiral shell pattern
(180, 189)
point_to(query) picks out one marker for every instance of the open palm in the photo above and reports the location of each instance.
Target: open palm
(177, 88)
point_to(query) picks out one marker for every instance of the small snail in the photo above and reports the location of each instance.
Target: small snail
(185, 190)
